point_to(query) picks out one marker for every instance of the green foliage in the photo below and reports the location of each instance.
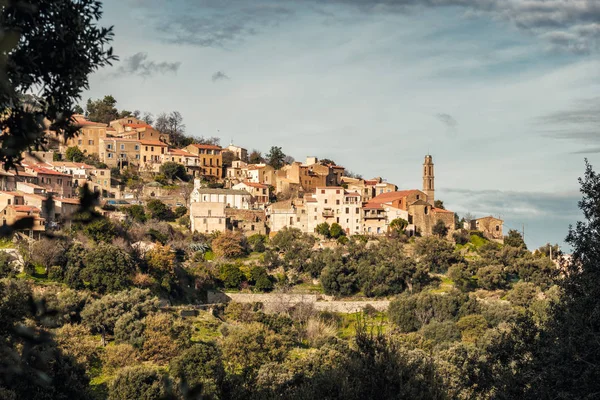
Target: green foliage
(522, 294)
(435, 253)
(180, 211)
(79, 47)
(137, 382)
(159, 210)
(472, 327)
(260, 279)
(323, 229)
(257, 242)
(336, 231)
(492, 277)
(461, 237)
(229, 244)
(439, 204)
(7, 268)
(102, 110)
(339, 279)
(100, 230)
(201, 364)
(398, 224)
(231, 276)
(108, 268)
(441, 332)
(515, 239)
(74, 154)
(440, 229)
(174, 171)
(136, 213)
(461, 277)
(276, 157)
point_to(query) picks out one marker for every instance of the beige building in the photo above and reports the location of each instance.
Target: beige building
(134, 128)
(118, 152)
(230, 198)
(208, 217)
(333, 204)
(152, 152)
(53, 181)
(210, 159)
(88, 137)
(238, 152)
(288, 213)
(11, 214)
(187, 159)
(249, 222)
(490, 226)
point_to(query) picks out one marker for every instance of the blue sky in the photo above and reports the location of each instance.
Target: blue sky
(503, 93)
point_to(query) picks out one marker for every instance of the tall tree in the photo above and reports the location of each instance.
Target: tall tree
(255, 157)
(50, 47)
(172, 124)
(276, 157)
(103, 110)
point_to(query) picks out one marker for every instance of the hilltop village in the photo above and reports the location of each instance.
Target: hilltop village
(129, 162)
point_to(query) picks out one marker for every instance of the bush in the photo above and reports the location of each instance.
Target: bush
(339, 279)
(402, 313)
(180, 211)
(231, 276)
(229, 245)
(257, 242)
(201, 364)
(492, 277)
(522, 294)
(461, 237)
(472, 327)
(7, 267)
(165, 337)
(137, 382)
(119, 356)
(461, 277)
(172, 171)
(136, 213)
(108, 269)
(323, 229)
(100, 230)
(437, 254)
(441, 332)
(336, 231)
(159, 210)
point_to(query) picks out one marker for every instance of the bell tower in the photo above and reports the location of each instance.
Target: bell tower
(428, 179)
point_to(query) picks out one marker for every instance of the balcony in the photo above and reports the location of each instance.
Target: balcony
(374, 215)
(328, 213)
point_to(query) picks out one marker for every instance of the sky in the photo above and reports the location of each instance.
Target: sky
(504, 94)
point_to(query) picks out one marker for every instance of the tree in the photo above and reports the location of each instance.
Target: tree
(255, 157)
(229, 245)
(201, 364)
(102, 315)
(435, 253)
(79, 47)
(492, 277)
(231, 276)
(398, 224)
(136, 213)
(173, 171)
(439, 204)
(137, 382)
(102, 110)
(323, 229)
(339, 278)
(276, 157)
(515, 239)
(165, 336)
(327, 161)
(172, 124)
(108, 268)
(401, 313)
(159, 210)
(336, 230)
(74, 154)
(440, 229)
(100, 230)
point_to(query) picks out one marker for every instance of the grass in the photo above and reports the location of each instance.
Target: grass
(6, 244)
(446, 285)
(349, 322)
(308, 287)
(206, 328)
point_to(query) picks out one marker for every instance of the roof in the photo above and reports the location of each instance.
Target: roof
(441, 210)
(10, 193)
(83, 121)
(47, 171)
(223, 191)
(391, 196)
(371, 182)
(206, 146)
(281, 205)
(34, 196)
(119, 139)
(68, 201)
(26, 208)
(181, 152)
(352, 194)
(329, 187)
(336, 166)
(138, 126)
(153, 143)
(32, 185)
(71, 164)
(489, 217)
(254, 185)
(372, 206)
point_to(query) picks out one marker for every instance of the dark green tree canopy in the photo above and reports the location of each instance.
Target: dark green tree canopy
(50, 47)
(102, 110)
(276, 157)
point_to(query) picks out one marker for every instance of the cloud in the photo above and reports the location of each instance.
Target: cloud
(138, 64)
(447, 120)
(219, 76)
(581, 123)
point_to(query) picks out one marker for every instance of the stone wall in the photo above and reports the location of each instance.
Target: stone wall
(281, 302)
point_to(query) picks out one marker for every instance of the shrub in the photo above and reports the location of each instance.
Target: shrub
(492, 277)
(119, 356)
(231, 276)
(257, 242)
(522, 294)
(201, 364)
(402, 313)
(472, 327)
(323, 229)
(229, 245)
(461, 237)
(7, 267)
(441, 332)
(180, 211)
(137, 382)
(159, 210)
(336, 231)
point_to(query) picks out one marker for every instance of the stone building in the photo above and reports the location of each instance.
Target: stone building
(88, 137)
(119, 152)
(288, 213)
(428, 179)
(490, 226)
(208, 217)
(260, 193)
(210, 159)
(249, 222)
(333, 204)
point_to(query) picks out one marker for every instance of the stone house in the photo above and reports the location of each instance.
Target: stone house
(490, 226)
(259, 192)
(119, 152)
(333, 204)
(53, 181)
(11, 214)
(152, 152)
(88, 137)
(249, 222)
(239, 153)
(208, 217)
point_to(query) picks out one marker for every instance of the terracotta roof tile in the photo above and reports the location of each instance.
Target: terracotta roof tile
(153, 143)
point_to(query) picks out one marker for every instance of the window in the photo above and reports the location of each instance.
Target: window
(151, 148)
(426, 211)
(322, 191)
(146, 148)
(90, 142)
(101, 173)
(347, 210)
(109, 146)
(80, 142)
(9, 201)
(418, 196)
(219, 220)
(49, 180)
(291, 220)
(204, 220)
(122, 146)
(209, 213)
(357, 210)
(59, 181)
(325, 201)
(337, 219)
(497, 227)
(297, 219)
(109, 155)
(251, 227)
(137, 147)
(137, 156)
(337, 192)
